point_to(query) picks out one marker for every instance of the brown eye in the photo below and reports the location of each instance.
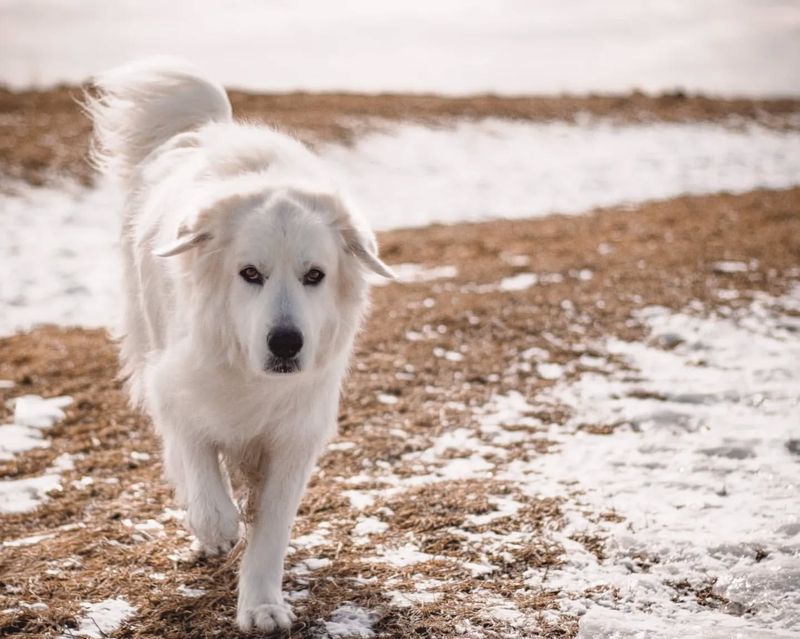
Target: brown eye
(313, 277)
(251, 275)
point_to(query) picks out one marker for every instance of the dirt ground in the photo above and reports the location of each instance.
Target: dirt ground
(44, 135)
(661, 253)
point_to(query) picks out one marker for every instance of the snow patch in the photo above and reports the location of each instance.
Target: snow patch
(38, 412)
(405, 555)
(352, 621)
(65, 241)
(518, 282)
(102, 618)
(28, 541)
(24, 495)
(32, 415)
(699, 468)
(192, 593)
(367, 526)
(412, 273)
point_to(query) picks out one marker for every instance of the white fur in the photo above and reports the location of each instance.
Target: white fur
(206, 197)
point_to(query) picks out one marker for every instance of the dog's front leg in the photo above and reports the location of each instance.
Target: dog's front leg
(261, 603)
(211, 516)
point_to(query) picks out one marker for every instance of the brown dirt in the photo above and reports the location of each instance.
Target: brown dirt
(44, 136)
(660, 253)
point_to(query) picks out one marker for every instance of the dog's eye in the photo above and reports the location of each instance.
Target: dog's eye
(250, 274)
(313, 277)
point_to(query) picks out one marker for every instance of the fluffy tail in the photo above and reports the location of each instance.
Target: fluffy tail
(137, 107)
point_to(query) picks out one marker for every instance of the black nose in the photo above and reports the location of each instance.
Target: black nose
(285, 342)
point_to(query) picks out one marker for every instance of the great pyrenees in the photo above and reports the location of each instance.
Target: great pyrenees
(244, 286)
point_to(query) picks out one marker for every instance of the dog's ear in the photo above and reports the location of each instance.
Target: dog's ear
(185, 241)
(196, 230)
(356, 242)
(365, 251)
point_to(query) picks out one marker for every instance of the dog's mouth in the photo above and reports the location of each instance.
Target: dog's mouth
(282, 366)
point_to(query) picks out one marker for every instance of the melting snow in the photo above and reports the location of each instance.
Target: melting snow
(28, 541)
(32, 415)
(192, 593)
(549, 371)
(359, 499)
(65, 240)
(102, 618)
(351, 621)
(35, 411)
(369, 526)
(701, 470)
(518, 282)
(317, 538)
(410, 273)
(403, 556)
(399, 599)
(498, 168)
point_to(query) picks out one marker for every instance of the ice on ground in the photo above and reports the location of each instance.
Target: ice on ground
(62, 243)
(102, 618)
(352, 621)
(699, 469)
(451, 46)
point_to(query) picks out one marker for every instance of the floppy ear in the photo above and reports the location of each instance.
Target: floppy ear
(354, 243)
(186, 240)
(196, 230)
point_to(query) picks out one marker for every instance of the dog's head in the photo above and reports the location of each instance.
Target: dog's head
(276, 278)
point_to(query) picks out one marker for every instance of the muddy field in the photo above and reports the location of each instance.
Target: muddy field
(433, 355)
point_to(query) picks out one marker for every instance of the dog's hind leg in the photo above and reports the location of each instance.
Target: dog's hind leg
(211, 516)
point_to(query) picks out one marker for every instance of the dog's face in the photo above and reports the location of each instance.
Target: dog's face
(284, 273)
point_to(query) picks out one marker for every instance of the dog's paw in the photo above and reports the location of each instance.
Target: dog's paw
(268, 617)
(200, 549)
(215, 527)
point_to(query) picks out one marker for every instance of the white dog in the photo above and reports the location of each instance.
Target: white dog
(244, 288)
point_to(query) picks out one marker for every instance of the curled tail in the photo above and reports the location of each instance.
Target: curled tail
(137, 107)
